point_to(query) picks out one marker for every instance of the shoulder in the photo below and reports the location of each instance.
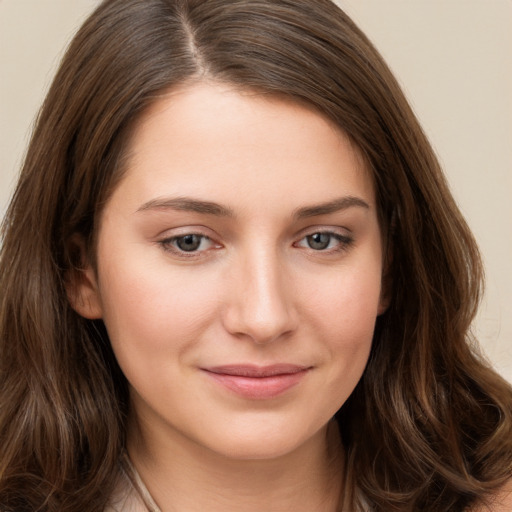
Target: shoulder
(500, 501)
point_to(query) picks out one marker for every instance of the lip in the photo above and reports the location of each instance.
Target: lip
(258, 382)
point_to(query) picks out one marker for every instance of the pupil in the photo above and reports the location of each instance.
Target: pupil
(188, 242)
(319, 241)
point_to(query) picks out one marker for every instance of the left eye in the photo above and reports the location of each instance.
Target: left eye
(322, 241)
(188, 243)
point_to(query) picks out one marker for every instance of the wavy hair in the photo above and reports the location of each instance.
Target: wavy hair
(428, 427)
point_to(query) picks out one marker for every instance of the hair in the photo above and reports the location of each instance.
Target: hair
(429, 425)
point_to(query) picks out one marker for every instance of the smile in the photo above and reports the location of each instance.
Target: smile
(256, 382)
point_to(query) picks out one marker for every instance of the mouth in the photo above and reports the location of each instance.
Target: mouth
(257, 382)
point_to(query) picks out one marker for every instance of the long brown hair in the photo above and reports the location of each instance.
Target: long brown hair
(429, 426)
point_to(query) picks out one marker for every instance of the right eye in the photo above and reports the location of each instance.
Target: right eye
(188, 243)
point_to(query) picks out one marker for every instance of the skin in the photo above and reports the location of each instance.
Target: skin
(255, 179)
(501, 501)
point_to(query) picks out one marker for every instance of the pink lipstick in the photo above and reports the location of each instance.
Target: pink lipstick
(258, 382)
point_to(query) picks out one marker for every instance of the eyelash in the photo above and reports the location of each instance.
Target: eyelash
(343, 243)
(170, 245)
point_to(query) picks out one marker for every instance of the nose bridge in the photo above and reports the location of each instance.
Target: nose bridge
(261, 307)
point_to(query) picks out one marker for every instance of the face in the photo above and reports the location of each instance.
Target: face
(239, 269)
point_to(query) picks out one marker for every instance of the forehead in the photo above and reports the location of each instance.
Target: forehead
(211, 139)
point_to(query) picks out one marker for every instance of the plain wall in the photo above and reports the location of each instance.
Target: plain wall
(453, 58)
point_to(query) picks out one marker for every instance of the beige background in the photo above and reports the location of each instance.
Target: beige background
(453, 58)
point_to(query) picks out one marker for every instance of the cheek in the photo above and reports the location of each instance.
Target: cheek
(357, 307)
(345, 313)
(151, 311)
(346, 301)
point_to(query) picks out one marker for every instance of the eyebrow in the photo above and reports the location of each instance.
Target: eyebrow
(188, 204)
(333, 206)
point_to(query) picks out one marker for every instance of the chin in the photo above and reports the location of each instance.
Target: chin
(257, 451)
(263, 443)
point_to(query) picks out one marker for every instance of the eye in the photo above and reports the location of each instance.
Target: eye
(188, 243)
(319, 241)
(325, 241)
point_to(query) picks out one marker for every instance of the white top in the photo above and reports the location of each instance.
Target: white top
(131, 495)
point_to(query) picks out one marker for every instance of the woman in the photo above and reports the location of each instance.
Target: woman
(233, 278)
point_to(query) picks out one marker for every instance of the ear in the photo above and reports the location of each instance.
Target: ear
(82, 282)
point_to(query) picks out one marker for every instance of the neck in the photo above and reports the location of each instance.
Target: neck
(182, 476)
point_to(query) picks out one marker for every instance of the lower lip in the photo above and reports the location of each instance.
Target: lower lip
(258, 388)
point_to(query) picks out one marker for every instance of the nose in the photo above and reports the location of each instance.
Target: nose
(260, 306)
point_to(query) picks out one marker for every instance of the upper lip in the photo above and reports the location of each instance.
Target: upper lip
(255, 371)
